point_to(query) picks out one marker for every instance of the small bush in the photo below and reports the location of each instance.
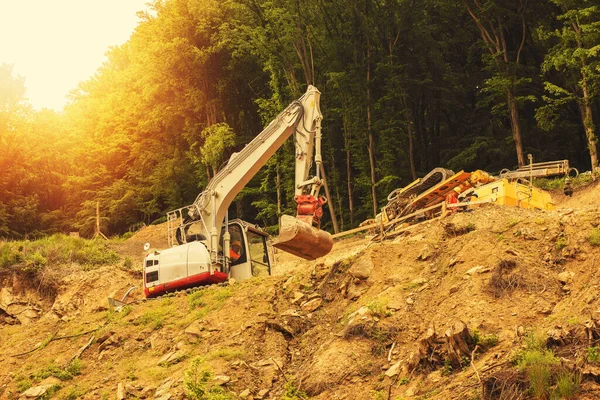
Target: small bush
(195, 381)
(292, 393)
(537, 362)
(127, 263)
(593, 354)
(561, 243)
(594, 237)
(567, 385)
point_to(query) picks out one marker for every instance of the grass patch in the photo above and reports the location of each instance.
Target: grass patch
(559, 183)
(64, 374)
(226, 354)
(54, 250)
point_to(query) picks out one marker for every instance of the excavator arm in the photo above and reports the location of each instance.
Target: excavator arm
(301, 235)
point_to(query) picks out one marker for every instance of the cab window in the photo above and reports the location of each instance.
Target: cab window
(237, 246)
(259, 255)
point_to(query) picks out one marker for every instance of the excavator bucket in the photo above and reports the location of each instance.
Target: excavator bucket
(302, 240)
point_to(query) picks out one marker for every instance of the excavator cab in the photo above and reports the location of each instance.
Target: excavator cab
(249, 253)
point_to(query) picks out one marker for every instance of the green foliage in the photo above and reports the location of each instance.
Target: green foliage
(593, 354)
(196, 81)
(290, 392)
(561, 243)
(594, 237)
(23, 384)
(55, 250)
(196, 380)
(537, 362)
(485, 341)
(154, 318)
(64, 374)
(567, 385)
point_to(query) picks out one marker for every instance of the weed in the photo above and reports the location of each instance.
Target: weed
(404, 381)
(549, 184)
(561, 243)
(536, 361)
(74, 393)
(127, 263)
(64, 374)
(567, 385)
(594, 237)
(226, 354)
(378, 395)
(196, 299)
(291, 393)
(378, 309)
(593, 354)
(23, 384)
(154, 318)
(54, 250)
(196, 378)
(447, 368)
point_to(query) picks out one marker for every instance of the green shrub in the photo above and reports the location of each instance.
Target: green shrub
(291, 393)
(567, 385)
(593, 354)
(127, 263)
(549, 184)
(561, 243)
(537, 363)
(195, 381)
(594, 237)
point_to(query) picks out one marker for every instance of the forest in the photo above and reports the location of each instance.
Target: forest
(407, 86)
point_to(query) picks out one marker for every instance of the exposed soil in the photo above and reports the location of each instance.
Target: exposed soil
(347, 326)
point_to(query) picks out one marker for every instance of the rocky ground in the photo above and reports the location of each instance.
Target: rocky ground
(440, 313)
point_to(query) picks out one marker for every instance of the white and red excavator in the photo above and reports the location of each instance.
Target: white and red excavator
(209, 248)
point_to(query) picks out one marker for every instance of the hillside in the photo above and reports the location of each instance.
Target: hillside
(446, 312)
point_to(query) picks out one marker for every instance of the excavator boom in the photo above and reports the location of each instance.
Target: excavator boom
(300, 235)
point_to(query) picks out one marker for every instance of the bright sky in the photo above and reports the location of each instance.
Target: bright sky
(55, 44)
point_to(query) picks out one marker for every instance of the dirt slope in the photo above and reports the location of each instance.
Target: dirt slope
(347, 326)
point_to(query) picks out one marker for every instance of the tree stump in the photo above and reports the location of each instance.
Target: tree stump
(459, 342)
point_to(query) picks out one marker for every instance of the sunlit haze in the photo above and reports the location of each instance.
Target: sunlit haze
(56, 44)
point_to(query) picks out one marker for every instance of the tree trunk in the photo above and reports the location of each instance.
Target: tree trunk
(411, 145)
(515, 125)
(278, 191)
(371, 142)
(588, 124)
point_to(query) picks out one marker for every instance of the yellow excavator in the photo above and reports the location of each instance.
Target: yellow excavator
(209, 248)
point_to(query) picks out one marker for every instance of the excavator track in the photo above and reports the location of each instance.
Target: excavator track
(171, 294)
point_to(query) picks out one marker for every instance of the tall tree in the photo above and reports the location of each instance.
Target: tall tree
(576, 57)
(496, 20)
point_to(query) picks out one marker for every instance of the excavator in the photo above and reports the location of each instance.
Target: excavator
(208, 248)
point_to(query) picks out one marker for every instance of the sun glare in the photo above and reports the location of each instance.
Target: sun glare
(55, 45)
